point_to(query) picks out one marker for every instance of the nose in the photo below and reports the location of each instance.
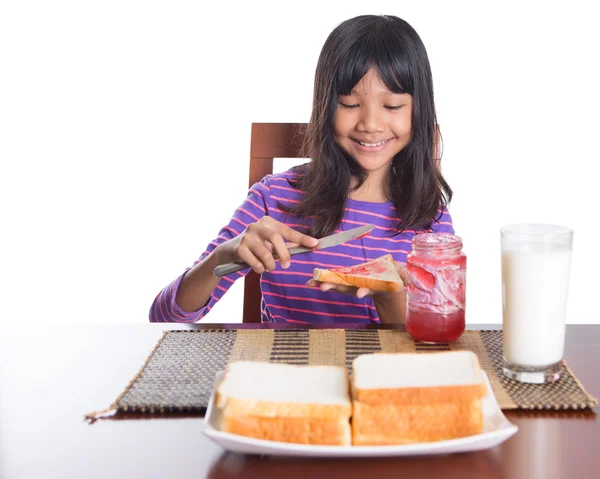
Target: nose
(370, 120)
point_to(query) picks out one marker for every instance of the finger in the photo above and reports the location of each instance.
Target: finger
(264, 255)
(281, 250)
(363, 292)
(338, 288)
(269, 246)
(311, 283)
(326, 286)
(296, 237)
(248, 257)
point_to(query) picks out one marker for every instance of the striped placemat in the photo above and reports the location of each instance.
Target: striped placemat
(179, 373)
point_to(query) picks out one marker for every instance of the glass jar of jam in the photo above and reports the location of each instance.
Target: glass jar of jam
(436, 297)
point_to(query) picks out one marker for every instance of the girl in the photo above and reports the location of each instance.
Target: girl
(370, 139)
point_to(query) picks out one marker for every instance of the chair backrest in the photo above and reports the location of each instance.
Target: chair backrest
(269, 141)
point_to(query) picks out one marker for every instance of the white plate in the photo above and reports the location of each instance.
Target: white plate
(496, 429)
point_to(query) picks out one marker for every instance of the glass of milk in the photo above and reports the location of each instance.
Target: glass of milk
(536, 261)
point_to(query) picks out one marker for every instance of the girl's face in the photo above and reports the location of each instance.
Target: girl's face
(372, 124)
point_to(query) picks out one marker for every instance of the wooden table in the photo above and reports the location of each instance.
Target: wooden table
(51, 376)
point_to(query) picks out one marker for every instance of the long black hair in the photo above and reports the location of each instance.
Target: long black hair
(393, 48)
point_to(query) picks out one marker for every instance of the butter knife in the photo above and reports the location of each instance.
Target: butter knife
(326, 242)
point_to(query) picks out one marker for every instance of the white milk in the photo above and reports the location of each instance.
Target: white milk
(535, 280)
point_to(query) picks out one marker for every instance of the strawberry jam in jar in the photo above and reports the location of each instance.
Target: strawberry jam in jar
(436, 297)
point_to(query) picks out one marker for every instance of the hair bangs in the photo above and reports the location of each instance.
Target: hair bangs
(350, 71)
(394, 72)
(378, 49)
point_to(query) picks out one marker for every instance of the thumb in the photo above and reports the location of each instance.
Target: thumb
(362, 292)
(403, 273)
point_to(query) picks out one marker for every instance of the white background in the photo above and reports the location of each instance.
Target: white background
(124, 137)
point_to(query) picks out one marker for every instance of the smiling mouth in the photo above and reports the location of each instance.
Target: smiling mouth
(371, 145)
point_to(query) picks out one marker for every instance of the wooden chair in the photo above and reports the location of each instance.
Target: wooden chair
(269, 141)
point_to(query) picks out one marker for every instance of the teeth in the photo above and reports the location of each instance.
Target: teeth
(372, 144)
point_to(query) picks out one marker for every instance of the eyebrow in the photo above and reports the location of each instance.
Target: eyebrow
(354, 91)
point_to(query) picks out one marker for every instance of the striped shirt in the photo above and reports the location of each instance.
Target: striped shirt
(285, 296)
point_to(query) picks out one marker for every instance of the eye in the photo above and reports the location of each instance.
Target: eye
(391, 107)
(345, 105)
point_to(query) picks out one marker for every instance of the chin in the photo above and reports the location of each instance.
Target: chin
(372, 164)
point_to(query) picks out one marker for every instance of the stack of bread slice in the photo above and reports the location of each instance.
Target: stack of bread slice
(393, 399)
(287, 403)
(409, 398)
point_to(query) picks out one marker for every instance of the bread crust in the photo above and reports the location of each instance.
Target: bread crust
(405, 424)
(420, 395)
(248, 407)
(301, 430)
(326, 276)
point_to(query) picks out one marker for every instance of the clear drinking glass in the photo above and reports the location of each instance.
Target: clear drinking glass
(536, 262)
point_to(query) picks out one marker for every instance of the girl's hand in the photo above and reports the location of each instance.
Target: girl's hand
(361, 292)
(259, 241)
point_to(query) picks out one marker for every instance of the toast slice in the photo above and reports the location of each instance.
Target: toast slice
(403, 398)
(287, 403)
(378, 275)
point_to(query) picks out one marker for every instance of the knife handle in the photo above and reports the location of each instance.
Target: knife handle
(225, 269)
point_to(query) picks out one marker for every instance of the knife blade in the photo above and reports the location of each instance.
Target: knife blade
(326, 242)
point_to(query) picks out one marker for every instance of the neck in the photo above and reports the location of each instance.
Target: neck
(375, 189)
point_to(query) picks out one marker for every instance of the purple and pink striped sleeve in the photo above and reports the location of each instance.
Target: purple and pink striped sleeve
(165, 308)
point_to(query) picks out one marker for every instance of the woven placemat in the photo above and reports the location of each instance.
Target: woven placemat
(178, 375)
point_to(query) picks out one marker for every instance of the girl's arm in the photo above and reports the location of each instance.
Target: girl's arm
(250, 247)
(165, 307)
(251, 236)
(198, 284)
